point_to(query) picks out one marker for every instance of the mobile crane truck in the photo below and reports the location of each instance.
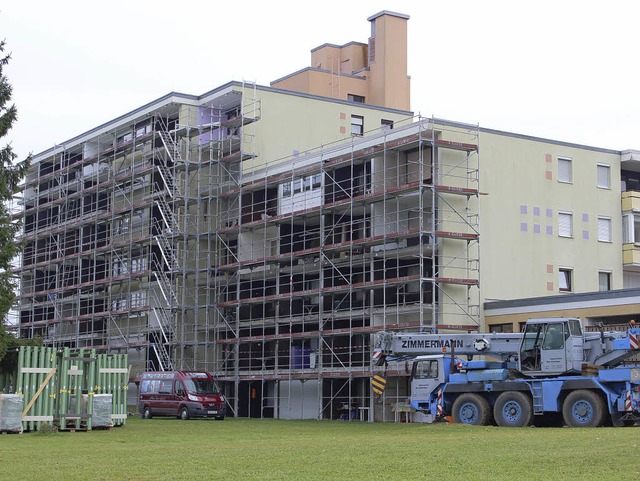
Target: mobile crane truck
(551, 367)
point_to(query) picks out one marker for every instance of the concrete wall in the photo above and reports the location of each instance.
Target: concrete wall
(389, 84)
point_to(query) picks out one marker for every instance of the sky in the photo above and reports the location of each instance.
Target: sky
(562, 70)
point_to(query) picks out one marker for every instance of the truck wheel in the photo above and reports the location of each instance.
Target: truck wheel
(146, 413)
(583, 409)
(513, 409)
(471, 409)
(184, 414)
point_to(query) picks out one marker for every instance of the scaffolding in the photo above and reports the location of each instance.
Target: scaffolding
(169, 238)
(317, 252)
(117, 237)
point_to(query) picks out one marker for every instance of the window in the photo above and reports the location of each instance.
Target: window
(138, 264)
(357, 125)
(636, 229)
(230, 115)
(302, 184)
(145, 129)
(604, 229)
(506, 327)
(565, 224)
(565, 173)
(150, 386)
(630, 228)
(359, 99)
(565, 278)
(604, 281)
(166, 387)
(122, 225)
(317, 181)
(388, 124)
(604, 176)
(427, 369)
(553, 337)
(629, 180)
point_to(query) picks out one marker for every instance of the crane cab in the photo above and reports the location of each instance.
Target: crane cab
(427, 373)
(551, 346)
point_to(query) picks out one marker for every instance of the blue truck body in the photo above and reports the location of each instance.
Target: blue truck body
(583, 380)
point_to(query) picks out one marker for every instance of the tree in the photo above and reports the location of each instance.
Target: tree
(11, 173)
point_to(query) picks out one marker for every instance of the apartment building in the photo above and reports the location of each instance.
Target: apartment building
(264, 233)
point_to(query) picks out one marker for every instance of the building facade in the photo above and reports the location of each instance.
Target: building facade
(264, 233)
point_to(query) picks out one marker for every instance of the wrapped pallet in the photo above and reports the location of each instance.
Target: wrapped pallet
(11, 412)
(102, 410)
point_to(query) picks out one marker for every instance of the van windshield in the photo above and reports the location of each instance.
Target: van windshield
(201, 386)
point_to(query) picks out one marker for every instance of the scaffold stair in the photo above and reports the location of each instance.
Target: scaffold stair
(168, 217)
(169, 181)
(167, 252)
(164, 284)
(164, 360)
(170, 146)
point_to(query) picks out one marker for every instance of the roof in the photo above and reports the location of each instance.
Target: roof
(338, 46)
(388, 12)
(565, 301)
(177, 97)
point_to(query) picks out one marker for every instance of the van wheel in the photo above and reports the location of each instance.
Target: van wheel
(219, 418)
(146, 413)
(184, 414)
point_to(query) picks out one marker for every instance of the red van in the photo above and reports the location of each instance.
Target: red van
(185, 394)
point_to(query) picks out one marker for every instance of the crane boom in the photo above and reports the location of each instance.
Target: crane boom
(535, 350)
(502, 346)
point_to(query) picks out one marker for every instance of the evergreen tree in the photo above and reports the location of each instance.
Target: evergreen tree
(11, 172)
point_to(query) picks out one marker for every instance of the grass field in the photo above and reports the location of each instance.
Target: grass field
(247, 449)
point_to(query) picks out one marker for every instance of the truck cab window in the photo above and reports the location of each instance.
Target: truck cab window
(427, 369)
(575, 328)
(554, 337)
(530, 350)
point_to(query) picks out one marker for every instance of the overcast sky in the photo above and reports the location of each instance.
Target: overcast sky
(564, 70)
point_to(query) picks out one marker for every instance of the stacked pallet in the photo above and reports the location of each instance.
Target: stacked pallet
(71, 390)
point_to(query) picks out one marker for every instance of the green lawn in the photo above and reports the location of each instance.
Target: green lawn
(245, 449)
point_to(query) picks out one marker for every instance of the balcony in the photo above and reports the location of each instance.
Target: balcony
(631, 201)
(631, 230)
(631, 257)
(630, 160)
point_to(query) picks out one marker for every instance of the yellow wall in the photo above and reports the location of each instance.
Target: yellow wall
(518, 173)
(290, 122)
